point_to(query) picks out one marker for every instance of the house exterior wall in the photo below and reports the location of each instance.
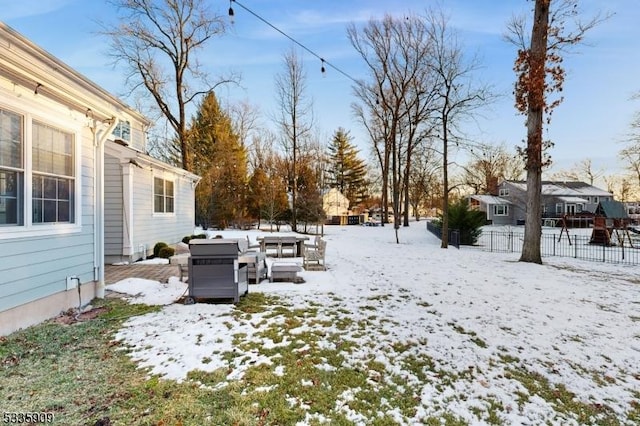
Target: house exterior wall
(149, 227)
(36, 259)
(552, 195)
(50, 260)
(114, 217)
(488, 210)
(334, 203)
(132, 227)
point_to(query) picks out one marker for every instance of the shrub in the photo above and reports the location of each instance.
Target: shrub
(166, 252)
(467, 222)
(199, 236)
(158, 247)
(186, 239)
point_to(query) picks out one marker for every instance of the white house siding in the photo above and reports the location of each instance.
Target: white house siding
(113, 210)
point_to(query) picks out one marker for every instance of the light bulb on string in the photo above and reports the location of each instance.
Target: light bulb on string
(231, 13)
(322, 68)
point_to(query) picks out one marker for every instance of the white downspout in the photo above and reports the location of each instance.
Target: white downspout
(98, 212)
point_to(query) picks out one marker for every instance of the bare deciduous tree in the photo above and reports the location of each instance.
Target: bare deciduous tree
(540, 74)
(489, 165)
(394, 105)
(458, 97)
(296, 115)
(157, 41)
(581, 171)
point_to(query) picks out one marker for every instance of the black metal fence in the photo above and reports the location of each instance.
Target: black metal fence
(561, 245)
(454, 234)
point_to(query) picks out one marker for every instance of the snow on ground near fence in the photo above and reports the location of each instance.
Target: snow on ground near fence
(562, 319)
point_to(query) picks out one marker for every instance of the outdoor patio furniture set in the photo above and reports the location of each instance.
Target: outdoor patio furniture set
(222, 268)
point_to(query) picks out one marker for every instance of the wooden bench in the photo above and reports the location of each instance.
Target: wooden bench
(314, 255)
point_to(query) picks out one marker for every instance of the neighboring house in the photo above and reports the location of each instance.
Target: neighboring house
(633, 210)
(498, 210)
(56, 213)
(334, 203)
(557, 198)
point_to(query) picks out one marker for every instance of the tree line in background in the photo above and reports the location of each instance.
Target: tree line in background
(420, 91)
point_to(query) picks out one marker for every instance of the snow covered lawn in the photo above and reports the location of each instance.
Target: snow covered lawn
(408, 334)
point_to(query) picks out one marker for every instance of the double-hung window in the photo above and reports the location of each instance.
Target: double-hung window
(37, 173)
(500, 210)
(162, 196)
(53, 175)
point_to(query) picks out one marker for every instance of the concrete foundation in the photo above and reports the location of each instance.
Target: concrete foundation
(46, 308)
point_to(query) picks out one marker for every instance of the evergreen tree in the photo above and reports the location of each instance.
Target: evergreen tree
(346, 171)
(221, 160)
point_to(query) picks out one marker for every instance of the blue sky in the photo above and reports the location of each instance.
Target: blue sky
(590, 123)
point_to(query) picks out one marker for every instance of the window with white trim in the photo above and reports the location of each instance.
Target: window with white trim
(51, 172)
(122, 131)
(163, 197)
(11, 169)
(53, 179)
(500, 210)
(503, 192)
(559, 208)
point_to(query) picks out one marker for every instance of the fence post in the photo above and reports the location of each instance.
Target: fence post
(491, 241)
(604, 252)
(554, 245)
(575, 245)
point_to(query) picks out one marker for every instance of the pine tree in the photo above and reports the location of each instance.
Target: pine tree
(221, 160)
(346, 171)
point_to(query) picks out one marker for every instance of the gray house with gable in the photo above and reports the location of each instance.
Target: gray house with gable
(558, 198)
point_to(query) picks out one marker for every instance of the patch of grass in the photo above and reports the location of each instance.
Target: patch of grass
(323, 369)
(474, 336)
(564, 401)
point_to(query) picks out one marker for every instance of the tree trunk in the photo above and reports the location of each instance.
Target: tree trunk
(385, 188)
(406, 190)
(537, 60)
(445, 177)
(395, 187)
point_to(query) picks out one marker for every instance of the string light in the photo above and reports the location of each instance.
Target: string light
(323, 62)
(231, 13)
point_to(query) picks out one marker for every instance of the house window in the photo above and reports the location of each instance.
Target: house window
(500, 210)
(162, 196)
(503, 192)
(595, 200)
(559, 208)
(53, 179)
(49, 179)
(122, 131)
(11, 168)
